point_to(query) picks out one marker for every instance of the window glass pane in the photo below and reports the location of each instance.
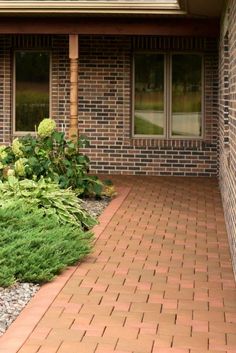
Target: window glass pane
(187, 95)
(149, 94)
(31, 89)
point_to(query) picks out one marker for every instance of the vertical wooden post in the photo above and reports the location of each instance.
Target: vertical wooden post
(74, 69)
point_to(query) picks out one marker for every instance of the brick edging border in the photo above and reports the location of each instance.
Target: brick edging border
(23, 326)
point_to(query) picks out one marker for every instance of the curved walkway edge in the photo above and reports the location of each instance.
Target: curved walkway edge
(21, 328)
(159, 280)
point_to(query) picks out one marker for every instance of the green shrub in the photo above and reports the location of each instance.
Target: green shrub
(52, 156)
(64, 204)
(35, 247)
(7, 277)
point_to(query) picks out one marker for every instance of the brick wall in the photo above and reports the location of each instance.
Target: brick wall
(105, 113)
(105, 82)
(227, 121)
(5, 90)
(60, 82)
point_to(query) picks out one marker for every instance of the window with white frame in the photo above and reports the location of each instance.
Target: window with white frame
(31, 89)
(168, 95)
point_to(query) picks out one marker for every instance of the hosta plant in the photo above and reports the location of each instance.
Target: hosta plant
(47, 196)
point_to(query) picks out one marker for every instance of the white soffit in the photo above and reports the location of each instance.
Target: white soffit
(93, 6)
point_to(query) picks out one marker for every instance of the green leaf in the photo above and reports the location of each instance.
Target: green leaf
(71, 145)
(58, 136)
(83, 142)
(69, 172)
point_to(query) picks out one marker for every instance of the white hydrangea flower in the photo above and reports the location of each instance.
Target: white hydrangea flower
(20, 166)
(16, 148)
(46, 127)
(3, 153)
(2, 148)
(10, 172)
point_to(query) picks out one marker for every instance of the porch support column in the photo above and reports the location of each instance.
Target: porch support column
(74, 70)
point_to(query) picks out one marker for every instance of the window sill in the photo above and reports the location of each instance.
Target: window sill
(169, 143)
(23, 133)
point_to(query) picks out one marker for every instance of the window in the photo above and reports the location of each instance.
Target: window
(168, 95)
(31, 89)
(149, 95)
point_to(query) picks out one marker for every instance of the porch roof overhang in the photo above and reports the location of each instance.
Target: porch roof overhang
(104, 7)
(199, 8)
(111, 17)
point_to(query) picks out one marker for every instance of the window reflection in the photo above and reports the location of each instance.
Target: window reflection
(32, 72)
(186, 95)
(149, 94)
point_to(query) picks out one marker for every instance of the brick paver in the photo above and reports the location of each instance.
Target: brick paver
(159, 280)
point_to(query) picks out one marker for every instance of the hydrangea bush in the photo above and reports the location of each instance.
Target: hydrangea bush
(50, 155)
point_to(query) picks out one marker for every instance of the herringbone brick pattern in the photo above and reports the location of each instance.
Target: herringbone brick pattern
(159, 280)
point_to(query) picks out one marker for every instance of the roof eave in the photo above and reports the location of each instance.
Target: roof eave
(91, 7)
(93, 12)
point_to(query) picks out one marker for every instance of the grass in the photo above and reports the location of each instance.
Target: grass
(188, 103)
(182, 102)
(35, 247)
(149, 101)
(146, 128)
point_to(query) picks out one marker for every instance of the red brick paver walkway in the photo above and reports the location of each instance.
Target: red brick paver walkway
(159, 281)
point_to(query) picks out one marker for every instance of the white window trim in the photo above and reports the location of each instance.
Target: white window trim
(23, 133)
(168, 99)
